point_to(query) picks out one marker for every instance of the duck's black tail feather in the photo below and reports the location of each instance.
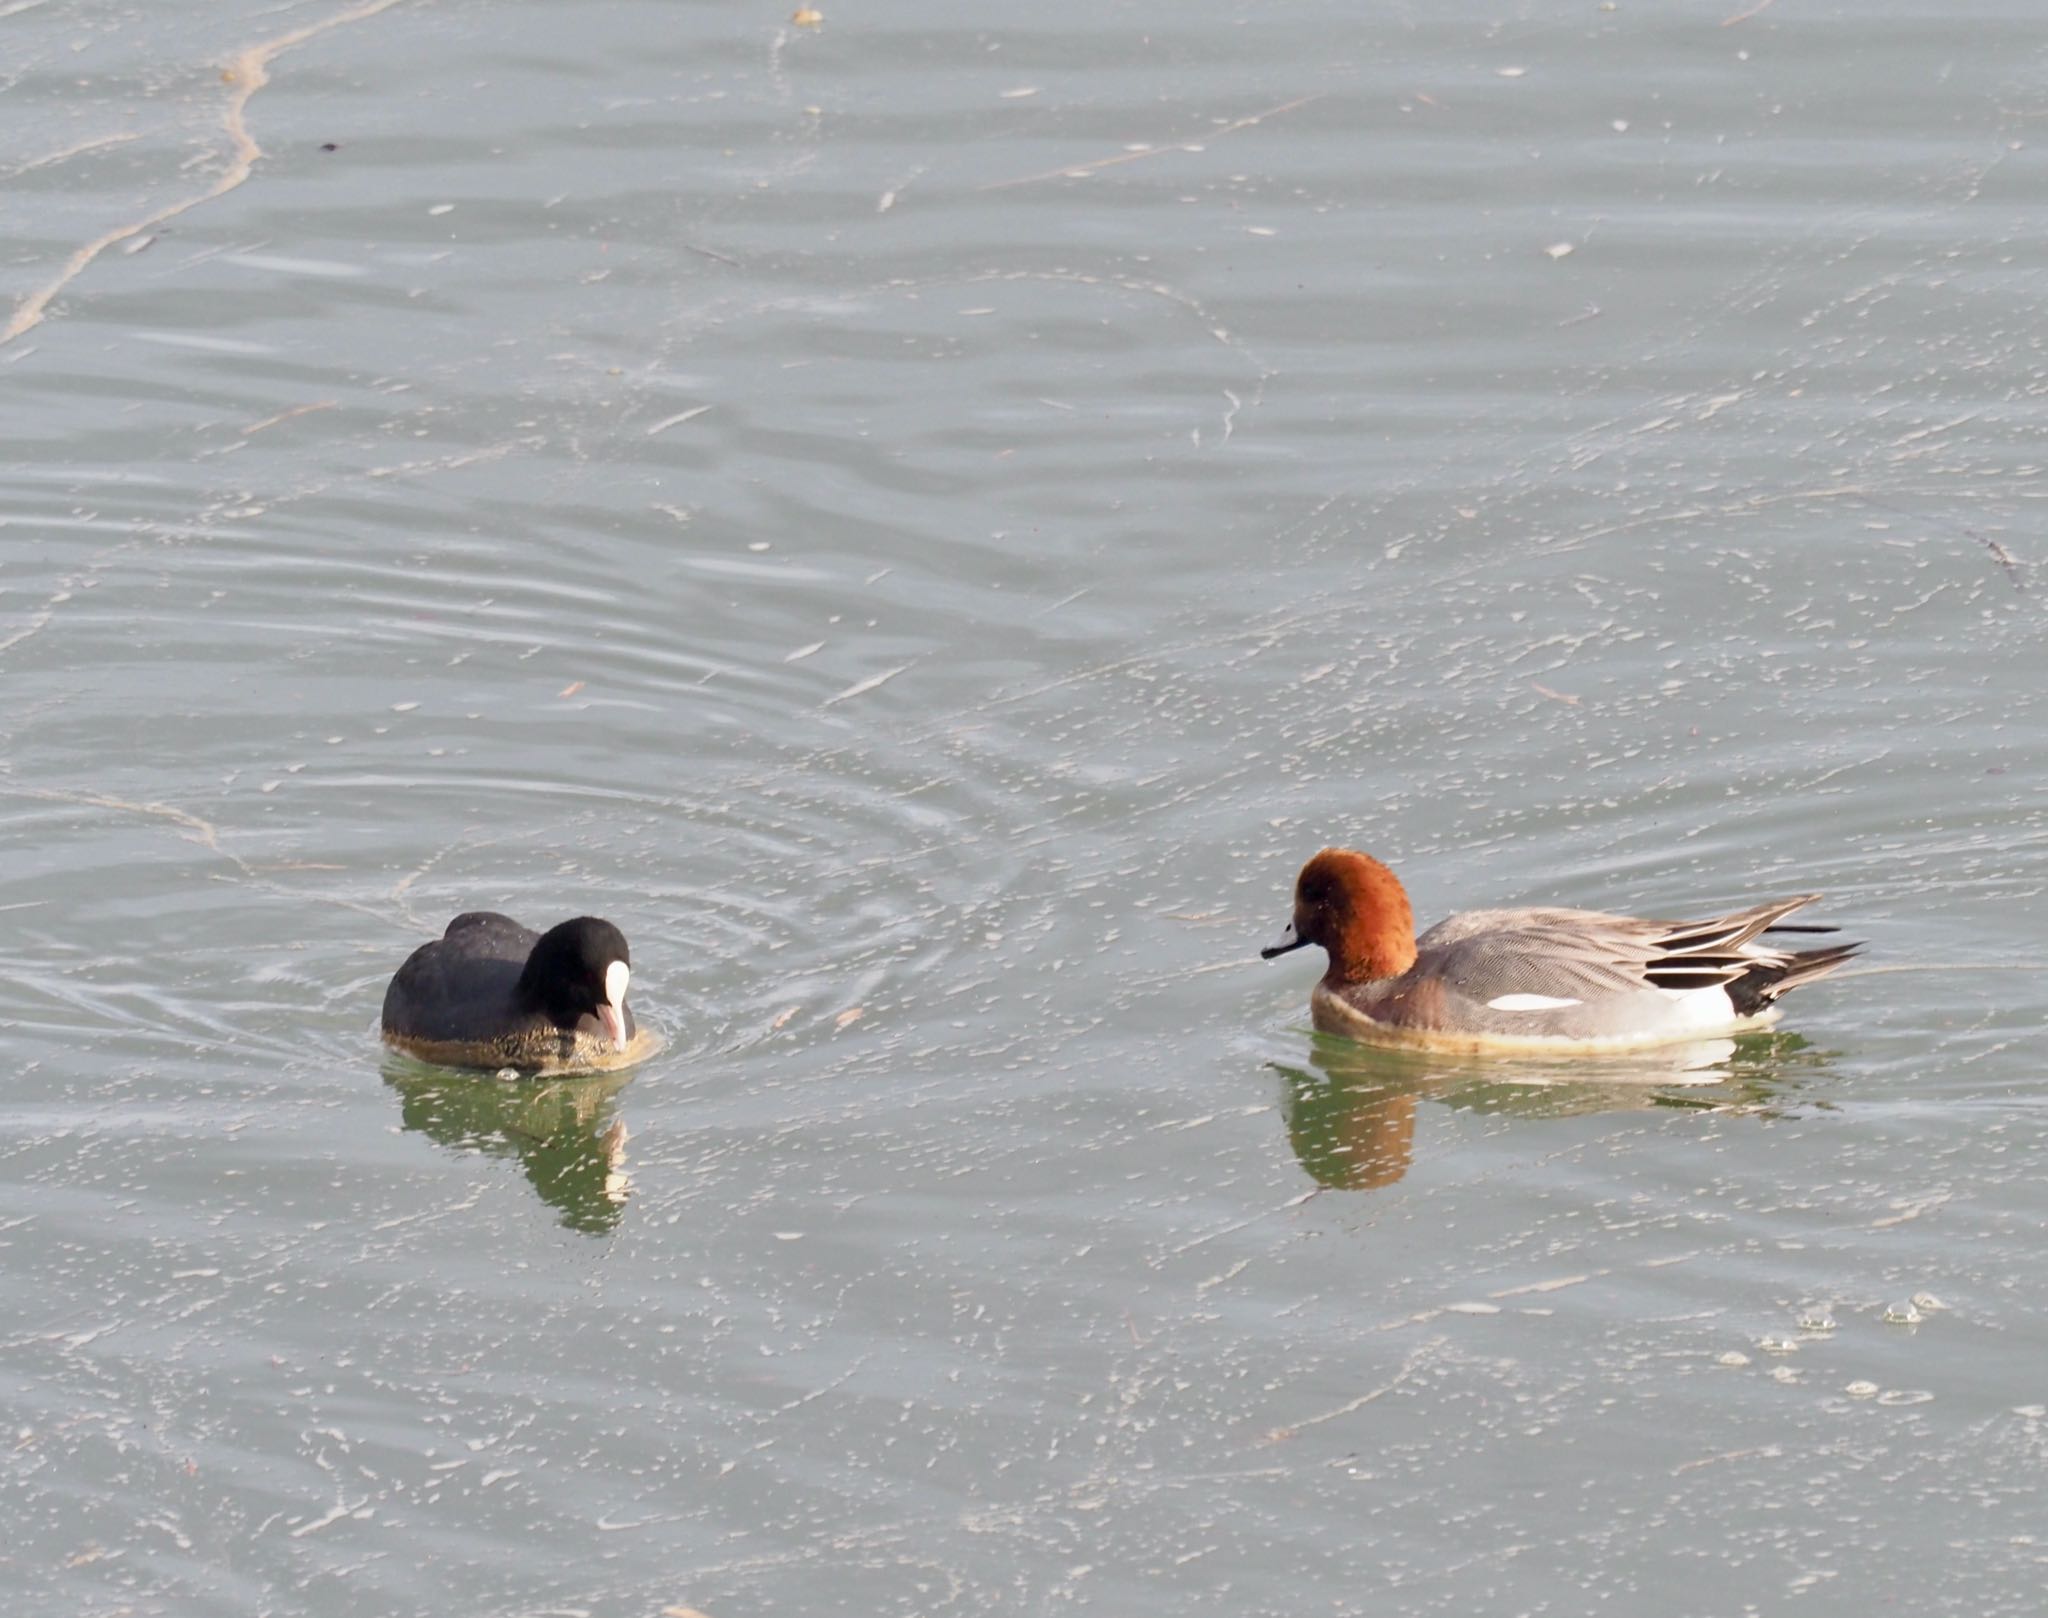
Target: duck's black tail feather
(1761, 985)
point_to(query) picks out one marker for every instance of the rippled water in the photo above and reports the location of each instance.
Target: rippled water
(925, 521)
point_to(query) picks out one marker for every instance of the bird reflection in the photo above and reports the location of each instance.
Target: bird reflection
(1351, 1121)
(561, 1129)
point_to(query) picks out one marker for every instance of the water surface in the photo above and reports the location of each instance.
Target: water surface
(926, 521)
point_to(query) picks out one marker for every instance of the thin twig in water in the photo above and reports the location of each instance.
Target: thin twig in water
(1076, 170)
(863, 687)
(1408, 1367)
(286, 415)
(1241, 1224)
(248, 71)
(60, 155)
(195, 829)
(677, 419)
(2004, 558)
(1765, 1451)
(1744, 16)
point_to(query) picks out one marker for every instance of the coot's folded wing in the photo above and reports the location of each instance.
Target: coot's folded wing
(459, 987)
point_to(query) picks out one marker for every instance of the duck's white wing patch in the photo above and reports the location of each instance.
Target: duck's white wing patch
(1530, 1002)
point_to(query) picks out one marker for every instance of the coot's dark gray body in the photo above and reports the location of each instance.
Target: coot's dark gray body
(468, 998)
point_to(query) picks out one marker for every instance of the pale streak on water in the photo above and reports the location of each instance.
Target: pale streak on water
(728, 475)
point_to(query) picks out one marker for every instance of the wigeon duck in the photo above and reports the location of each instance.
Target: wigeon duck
(491, 993)
(1561, 981)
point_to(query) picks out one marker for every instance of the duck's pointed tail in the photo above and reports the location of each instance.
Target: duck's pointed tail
(1737, 952)
(1758, 988)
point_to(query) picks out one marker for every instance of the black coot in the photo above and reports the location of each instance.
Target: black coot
(491, 993)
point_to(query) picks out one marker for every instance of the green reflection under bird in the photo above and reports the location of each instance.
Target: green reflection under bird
(1351, 1121)
(563, 1131)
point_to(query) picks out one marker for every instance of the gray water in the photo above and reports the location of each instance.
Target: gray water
(926, 520)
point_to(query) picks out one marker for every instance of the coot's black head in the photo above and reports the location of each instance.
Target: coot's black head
(579, 970)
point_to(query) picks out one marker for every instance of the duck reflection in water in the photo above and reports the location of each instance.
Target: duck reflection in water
(1351, 1121)
(561, 1129)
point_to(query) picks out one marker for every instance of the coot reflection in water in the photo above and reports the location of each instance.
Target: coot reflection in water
(563, 1130)
(1352, 1120)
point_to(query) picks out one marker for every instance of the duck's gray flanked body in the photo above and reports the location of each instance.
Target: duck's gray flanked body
(1538, 979)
